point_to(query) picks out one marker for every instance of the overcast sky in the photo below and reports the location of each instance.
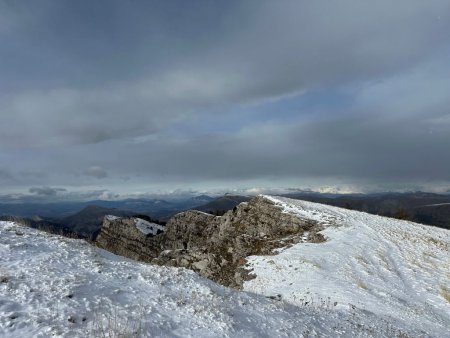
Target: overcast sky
(136, 97)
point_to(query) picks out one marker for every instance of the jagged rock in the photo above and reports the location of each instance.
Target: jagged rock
(213, 246)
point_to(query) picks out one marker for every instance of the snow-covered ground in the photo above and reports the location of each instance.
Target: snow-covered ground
(374, 277)
(388, 267)
(51, 286)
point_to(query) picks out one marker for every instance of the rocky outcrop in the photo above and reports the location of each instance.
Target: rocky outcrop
(214, 246)
(122, 237)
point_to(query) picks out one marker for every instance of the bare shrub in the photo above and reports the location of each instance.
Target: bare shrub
(113, 325)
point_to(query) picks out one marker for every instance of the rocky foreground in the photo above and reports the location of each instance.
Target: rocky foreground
(214, 246)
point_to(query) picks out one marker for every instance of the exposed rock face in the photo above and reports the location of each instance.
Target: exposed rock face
(122, 237)
(213, 246)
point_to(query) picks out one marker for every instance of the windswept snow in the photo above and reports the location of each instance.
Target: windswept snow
(147, 227)
(391, 268)
(60, 287)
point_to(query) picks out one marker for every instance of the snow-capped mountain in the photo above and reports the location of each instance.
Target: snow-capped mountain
(373, 276)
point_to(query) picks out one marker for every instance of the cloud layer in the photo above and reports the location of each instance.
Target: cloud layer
(46, 191)
(152, 94)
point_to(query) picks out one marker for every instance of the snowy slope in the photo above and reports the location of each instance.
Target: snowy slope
(51, 286)
(391, 268)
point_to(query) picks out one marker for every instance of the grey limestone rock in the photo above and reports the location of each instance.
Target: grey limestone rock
(213, 246)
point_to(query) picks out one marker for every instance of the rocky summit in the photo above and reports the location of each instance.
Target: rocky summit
(214, 246)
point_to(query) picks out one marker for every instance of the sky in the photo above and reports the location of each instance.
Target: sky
(127, 98)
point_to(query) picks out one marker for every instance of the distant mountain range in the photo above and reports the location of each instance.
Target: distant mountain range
(84, 224)
(45, 225)
(222, 204)
(88, 221)
(421, 207)
(64, 209)
(84, 219)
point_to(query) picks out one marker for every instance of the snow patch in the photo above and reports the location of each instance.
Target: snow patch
(111, 217)
(147, 227)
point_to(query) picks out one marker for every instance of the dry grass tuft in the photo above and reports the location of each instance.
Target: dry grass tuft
(310, 262)
(445, 292)
(361, 284)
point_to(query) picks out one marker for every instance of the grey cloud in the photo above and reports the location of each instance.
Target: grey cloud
(95, 171)
(92, 116)
(356, 146)
(351, 149)
(258, 52)
(5, 175)
(108, 91)
(305, 44)
(49, 194)
(46, 191)
(386, 141)
(30, 174)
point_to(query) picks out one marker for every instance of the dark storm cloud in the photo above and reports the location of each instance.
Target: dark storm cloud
(108, 80)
